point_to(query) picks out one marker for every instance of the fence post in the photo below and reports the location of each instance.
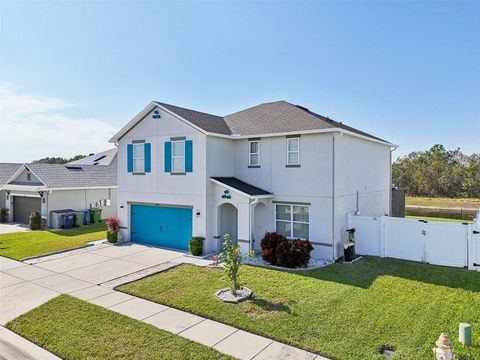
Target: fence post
(383, 235)
(470, 246)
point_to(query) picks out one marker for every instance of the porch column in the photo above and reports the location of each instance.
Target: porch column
(243, 227)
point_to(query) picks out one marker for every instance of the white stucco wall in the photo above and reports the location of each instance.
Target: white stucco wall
(311, 183)
(159, 187)
(359, 165)
(79, 199)
(362, 166)
(82, 199)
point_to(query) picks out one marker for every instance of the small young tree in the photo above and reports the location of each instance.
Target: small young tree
(233, 259)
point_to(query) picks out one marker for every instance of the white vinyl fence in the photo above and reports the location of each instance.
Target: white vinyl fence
(435, 242)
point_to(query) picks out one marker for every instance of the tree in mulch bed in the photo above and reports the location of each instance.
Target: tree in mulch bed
(232, 258)
(112, 229)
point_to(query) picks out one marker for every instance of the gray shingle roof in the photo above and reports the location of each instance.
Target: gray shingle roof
(207, 122)
(70, 176)
(7, 170)
(267, 118)
(242, 186)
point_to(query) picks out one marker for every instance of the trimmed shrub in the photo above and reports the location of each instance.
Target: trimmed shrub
(301, 252)
(35, 221)
(195, 245)
(269, 246)
(279, 251)
(3, 215)
(112, 236)
(283, 253)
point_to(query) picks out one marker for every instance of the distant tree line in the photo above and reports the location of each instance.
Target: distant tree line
(57, 160)
(439, 173)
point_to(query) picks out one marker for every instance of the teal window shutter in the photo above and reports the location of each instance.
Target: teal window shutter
(147, 155)
(130, 158)
(168, 156)
(188, 156)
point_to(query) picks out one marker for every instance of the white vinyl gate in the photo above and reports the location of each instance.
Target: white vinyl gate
(435, 242)
(475, 247)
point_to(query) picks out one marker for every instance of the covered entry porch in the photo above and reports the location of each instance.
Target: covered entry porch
(241, 210)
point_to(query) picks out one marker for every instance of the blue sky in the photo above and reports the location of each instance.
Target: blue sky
(72, 73)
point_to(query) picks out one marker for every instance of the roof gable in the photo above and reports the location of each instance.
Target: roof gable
(24, 176)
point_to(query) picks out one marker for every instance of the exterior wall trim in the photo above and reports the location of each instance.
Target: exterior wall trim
(291, 202)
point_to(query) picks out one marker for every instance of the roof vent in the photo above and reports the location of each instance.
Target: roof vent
(77, 168)
(100, 158)
(302, 108)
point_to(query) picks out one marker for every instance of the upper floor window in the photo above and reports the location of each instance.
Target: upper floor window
(254, 153)
(29, 176)
(293, 151)
(292, 221)
(139, 158)
(178, 156)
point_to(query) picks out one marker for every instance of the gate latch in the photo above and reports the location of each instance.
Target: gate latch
(476, 232)
(424, 232)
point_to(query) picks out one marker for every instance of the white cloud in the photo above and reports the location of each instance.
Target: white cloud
(33, 127)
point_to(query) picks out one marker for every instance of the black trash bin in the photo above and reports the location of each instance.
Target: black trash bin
(349, 251)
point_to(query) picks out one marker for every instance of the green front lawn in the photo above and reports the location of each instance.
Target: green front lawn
(443, 202)
(75, 329)
(343, 311)
(20, 245)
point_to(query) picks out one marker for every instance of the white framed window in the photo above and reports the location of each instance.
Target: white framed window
(139, 158)
(178, 156)
(292, 221)
(254, 153)
(293, 151)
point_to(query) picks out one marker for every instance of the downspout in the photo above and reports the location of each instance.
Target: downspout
(335, 136)
(251, 213)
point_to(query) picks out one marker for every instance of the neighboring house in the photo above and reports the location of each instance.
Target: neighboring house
(6, 172)
(79, 185)
(274, 167)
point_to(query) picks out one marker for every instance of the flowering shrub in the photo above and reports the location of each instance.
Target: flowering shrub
(278, 250)
(112, 223)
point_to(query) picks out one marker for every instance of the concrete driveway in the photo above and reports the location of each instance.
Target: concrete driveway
(7, 228)
(25, 286)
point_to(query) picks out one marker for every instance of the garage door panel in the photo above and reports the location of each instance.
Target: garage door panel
(23, 206)
(161, 226)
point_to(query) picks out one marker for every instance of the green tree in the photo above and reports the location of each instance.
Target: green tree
(438, 172)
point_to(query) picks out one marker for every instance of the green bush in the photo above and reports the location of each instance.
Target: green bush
(3, 215)
(35, 221)
(195, 245)
(112, 235)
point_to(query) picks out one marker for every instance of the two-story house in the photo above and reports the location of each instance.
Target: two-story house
(274, 167)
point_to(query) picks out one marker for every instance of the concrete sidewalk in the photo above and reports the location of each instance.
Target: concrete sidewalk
(91, 274)
(226, 339)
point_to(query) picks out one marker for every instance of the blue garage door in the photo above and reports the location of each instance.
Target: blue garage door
(169, 227)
